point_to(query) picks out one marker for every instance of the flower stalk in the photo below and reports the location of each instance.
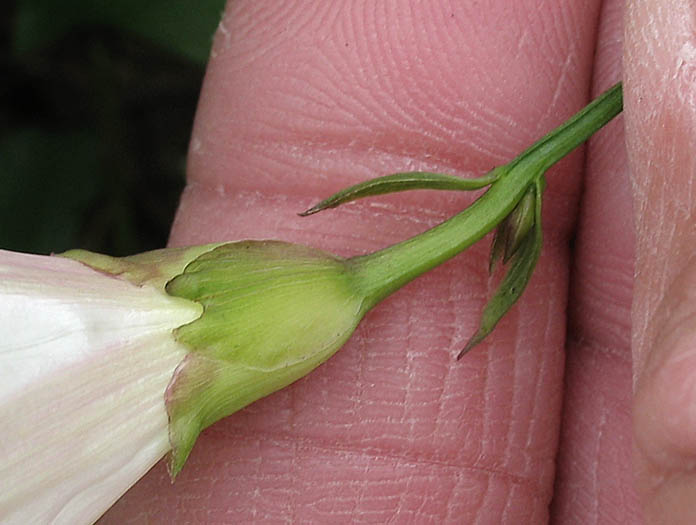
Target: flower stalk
(383, 272)
(133, 357)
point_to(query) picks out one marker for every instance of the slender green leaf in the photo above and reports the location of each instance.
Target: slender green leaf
(412, 180)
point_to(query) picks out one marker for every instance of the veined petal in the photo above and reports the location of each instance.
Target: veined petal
(85, 359)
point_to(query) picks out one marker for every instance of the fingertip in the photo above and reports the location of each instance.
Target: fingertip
(664, 411)
(660, 120)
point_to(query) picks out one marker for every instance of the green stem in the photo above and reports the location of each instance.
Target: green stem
(383, 272)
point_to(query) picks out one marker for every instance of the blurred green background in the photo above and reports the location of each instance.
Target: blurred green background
(97, 100)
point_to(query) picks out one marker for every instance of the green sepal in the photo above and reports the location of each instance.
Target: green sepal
(155, 267)
(517, 277)
(412, 180)
(273, 311)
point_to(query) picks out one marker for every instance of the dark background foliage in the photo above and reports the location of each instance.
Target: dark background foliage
(97, 99)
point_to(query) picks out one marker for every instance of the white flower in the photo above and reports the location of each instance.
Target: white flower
(85, 358)
(107, 364)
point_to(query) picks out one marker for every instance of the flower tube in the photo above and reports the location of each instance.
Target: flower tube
(85, 359)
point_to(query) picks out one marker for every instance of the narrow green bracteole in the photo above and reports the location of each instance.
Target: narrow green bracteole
(412, 180)
(513, 230)
(517, 277)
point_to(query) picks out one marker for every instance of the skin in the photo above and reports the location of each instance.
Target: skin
(304, 98)
(660, 138)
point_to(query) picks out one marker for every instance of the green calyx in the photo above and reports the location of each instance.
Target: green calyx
(273, 312)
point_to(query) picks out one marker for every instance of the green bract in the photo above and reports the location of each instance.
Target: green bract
(273, 312)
